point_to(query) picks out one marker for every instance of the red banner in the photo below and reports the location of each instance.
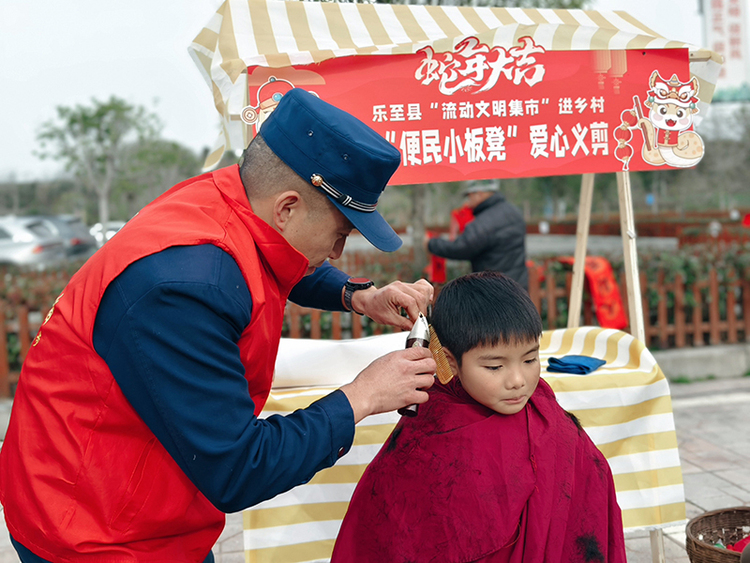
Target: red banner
(481, 112)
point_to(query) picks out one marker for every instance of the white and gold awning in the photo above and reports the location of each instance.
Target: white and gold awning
(277, 33)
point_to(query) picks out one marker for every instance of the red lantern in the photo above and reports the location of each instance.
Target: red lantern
(628, 116)
(623, 153)
(623, 134)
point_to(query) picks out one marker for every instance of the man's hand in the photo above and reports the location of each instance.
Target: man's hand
(393, 381)
(384, 305)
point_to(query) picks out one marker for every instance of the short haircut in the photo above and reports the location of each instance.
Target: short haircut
(265, 174)
(484, 309)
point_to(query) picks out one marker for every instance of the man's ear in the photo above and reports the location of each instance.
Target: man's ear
(286, 206)
(451, 361)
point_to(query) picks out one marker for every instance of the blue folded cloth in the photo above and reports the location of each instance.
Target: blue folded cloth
(574, 364)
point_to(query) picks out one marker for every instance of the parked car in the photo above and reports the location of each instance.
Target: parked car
(78, 241)
(102, 234)
(29, 241)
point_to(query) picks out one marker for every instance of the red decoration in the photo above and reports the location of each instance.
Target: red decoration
(435, 270)
(604, 291)
(629, 117)
(438, 273)
(624, 153)
(623, 134)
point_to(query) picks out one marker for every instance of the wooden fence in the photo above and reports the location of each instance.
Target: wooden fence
(676, 315)
(15, 340)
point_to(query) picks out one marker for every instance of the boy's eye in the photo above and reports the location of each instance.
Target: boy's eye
(532, 360)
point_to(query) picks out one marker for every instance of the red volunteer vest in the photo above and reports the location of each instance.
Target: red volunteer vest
(82, 478)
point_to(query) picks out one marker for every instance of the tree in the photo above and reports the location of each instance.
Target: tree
(90, 140)
(148, 168)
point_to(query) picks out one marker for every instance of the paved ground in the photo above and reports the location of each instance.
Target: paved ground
(713, 432)
(713, 421)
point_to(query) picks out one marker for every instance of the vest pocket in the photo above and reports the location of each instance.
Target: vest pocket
(138, 488)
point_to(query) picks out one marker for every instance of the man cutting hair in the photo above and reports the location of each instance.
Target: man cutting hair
(134, 425)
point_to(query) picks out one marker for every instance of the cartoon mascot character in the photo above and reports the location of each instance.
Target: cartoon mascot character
(667, 138)
(269, 96)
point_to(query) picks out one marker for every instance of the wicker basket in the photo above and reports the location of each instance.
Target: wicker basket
(725, 525)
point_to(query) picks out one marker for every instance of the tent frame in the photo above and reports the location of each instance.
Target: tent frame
(632, 280)
(223, 70)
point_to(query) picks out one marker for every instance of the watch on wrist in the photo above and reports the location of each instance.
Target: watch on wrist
(352, 285)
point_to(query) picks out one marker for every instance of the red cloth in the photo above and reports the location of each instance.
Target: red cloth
(460, 483)
(604, 291)
(82, 478)
(740, 545)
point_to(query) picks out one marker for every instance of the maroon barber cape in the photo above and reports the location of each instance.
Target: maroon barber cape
(460, 483)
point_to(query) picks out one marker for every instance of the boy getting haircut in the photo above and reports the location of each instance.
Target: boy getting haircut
(492, 470)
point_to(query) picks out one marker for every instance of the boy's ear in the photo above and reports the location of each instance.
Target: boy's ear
(451, 361)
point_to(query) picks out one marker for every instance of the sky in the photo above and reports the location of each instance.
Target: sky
(68, 53)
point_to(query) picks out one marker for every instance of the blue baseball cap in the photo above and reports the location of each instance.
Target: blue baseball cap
(339, 155)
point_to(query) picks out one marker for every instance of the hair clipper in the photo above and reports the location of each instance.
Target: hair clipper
(419, 337)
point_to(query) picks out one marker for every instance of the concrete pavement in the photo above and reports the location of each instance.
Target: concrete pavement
(712, 418)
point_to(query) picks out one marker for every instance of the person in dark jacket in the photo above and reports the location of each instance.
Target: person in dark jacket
(496, 238)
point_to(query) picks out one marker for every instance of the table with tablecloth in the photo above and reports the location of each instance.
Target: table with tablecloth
(624, 406)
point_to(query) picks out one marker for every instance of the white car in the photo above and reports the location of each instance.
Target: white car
(78, 241)
(29, 241)
(102, 234)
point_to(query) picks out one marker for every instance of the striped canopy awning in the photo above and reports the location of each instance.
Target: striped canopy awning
(276, 33)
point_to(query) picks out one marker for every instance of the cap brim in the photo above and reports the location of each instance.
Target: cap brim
(373, 227)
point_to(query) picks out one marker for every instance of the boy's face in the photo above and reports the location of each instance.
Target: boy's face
(501, 377)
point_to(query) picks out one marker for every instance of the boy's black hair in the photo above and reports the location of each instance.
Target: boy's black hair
(484, 308)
